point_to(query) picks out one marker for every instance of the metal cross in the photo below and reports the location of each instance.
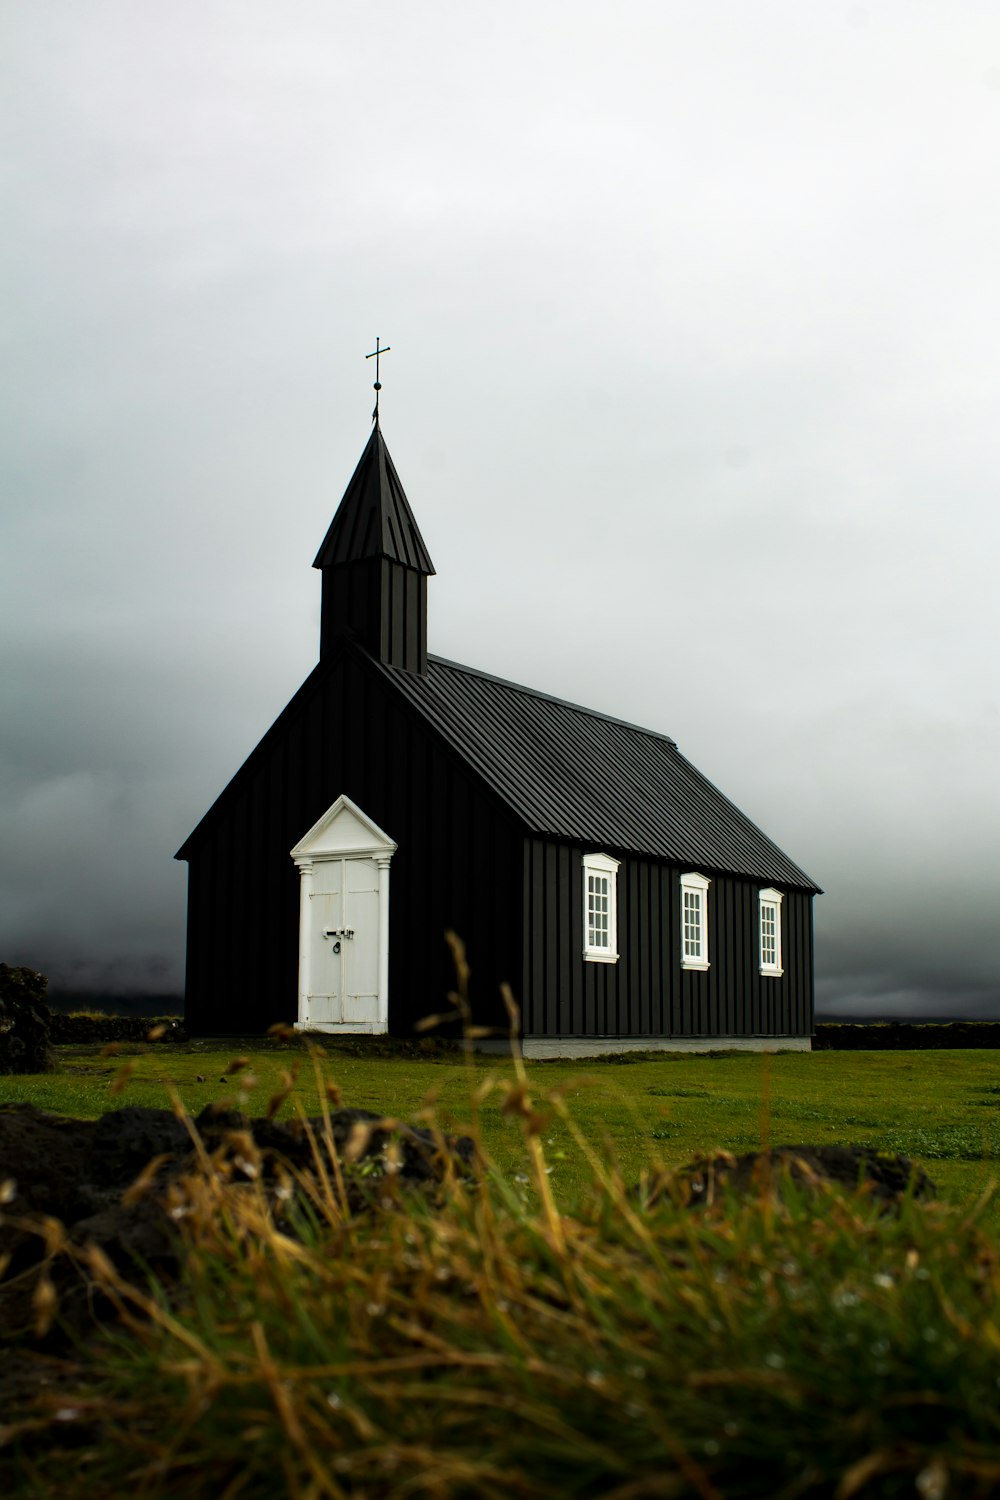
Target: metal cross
(378, 350)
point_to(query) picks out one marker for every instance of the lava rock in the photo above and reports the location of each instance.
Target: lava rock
(882, 1175)
(78, 1171)
(95, 1030)
(125, 1140)
(359, 1135)
(43, 1156)
(24, 1022)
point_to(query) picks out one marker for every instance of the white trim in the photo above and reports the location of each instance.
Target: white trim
(601, 866)
(697, 885)
(322, 839)
(305, 931)
(351, 1028)
(769, 898)
(382, 860)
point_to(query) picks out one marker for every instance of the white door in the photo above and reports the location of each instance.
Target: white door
(343, 863)
(321, 1005)
(344, 939)
(360, 950)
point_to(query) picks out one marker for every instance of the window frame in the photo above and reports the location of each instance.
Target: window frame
(699, 884)
(605, 867)
(769, 898)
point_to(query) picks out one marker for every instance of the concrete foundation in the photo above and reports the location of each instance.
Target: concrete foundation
(571, 1047)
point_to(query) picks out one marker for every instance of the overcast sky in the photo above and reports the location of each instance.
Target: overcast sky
(694, 309)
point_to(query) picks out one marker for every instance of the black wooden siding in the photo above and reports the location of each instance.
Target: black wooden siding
(458, 863)
(383, 604)
(647, 993)
(467, 861)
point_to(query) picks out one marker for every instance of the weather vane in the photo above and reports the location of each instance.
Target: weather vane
(379, 349)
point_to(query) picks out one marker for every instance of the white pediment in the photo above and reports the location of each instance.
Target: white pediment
(343, 829)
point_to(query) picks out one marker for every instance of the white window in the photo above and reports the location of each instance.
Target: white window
(694, 921)
(600, 908)
(770, 932)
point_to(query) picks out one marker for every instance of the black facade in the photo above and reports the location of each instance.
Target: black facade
(647, 993)
(493, 794)
(459, 857)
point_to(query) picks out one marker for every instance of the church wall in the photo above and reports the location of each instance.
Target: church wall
(647, 993)
(458, 863)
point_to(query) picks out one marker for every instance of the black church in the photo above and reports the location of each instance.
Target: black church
(582, 859)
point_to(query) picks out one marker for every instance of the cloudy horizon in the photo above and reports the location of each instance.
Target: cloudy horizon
(692, 389)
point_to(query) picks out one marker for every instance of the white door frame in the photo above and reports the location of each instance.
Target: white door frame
(343, 832)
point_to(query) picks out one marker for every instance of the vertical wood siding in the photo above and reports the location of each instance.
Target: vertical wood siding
(458, 864)
(462, 863)
(381, 602)
(647, 993)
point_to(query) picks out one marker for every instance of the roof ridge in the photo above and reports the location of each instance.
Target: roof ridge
(520, 687)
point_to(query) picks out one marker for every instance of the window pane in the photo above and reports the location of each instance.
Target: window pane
(693, 937)
(598, 911)
(769, 919)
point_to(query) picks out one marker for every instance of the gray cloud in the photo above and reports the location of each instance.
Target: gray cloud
(693, 320)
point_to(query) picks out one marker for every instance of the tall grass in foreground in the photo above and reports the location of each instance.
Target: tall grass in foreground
(477, 1340)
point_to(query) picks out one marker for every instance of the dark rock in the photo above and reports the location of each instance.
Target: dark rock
(24, 1022)
(77, 1171)
(139, 1240)
(137, 1236)
(216, 1119)
(360, 1136)
(361, 1140)
(125, 1140)
(43, 1155)
(96, 1030)
(884, 1176)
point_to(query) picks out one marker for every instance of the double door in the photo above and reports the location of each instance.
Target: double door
(343, 939)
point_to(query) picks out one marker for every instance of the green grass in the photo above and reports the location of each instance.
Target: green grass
(491, 1343)
(941, 1108)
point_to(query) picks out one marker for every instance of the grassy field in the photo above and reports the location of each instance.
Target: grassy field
(805, 1347)
(546, 1332)
(941, 1108)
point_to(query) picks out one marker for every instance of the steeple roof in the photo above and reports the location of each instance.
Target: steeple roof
(374, 517)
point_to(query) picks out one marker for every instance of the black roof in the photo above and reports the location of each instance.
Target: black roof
(374, 517)
(565, 771)
(573, 773)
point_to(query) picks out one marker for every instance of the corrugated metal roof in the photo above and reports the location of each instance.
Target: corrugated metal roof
(577, 774)
(374, 517)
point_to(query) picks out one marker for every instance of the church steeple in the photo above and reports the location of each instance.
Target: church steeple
(375, 566)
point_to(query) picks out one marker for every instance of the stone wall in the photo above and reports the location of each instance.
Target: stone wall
(909, 1036)
(116, 1029)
